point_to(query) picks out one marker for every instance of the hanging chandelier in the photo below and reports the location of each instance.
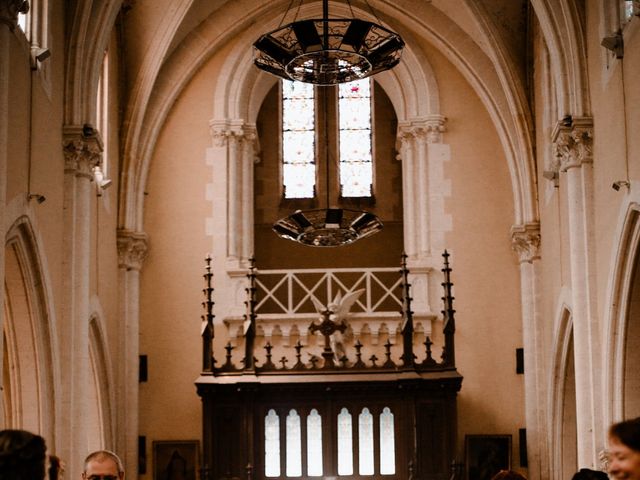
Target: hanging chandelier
(330, 227)
(328, 51)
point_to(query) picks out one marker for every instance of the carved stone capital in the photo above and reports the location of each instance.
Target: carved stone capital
(525, 241)
(426, 129)
(9, 10)
(82, 151)
(573, 142)
(435, 127)
(132, 249)
(224, 131)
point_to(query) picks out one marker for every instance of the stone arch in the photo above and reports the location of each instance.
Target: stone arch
(563, 31)
(91, 26)
(622, 352)
(562, 398)
(503, 97)
(101, 408)
(28, 357)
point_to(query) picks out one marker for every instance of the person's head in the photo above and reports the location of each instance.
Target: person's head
(624, 449)
(587, 474)
(22, 455)
(508, 475)
(103, 465)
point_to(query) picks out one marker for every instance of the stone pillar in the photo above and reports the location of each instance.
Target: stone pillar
(232, 157)
(526, 243)
(422, 153)
(573, 146)
(406, 155)
(81, 153)
(132, 250)
(248, 161)
(235, 158)
(8, 22)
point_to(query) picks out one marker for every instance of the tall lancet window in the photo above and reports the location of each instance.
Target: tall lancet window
(314, 444)
(365, 442)
(298, 140)
(345, 443)
(356, 158)
(346, 132)
(272, 444)
(387, 443)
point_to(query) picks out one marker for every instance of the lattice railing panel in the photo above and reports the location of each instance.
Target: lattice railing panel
(289, 293)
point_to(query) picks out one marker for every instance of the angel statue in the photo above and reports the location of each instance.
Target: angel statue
(336, 311)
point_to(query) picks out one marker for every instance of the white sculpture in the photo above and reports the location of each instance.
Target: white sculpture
(338, 310)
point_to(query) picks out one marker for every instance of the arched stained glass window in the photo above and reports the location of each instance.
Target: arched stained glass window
(354, 145)
(345, 443)
(272, 444)
(314, 444)
(387, 443)
(356, 159)
(294, 445)
(365, 442)
(298, 139)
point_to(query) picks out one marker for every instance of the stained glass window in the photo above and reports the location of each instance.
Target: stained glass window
(345, 443)
(294, 449)
(298, 139)
(387, 443)
(272, 444)
(365, 442)
(356, 167)
(314, 444)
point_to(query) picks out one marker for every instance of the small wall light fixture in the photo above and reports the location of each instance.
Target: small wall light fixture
(37, 197)
(617, 185)
(614, 43)
(39, 55)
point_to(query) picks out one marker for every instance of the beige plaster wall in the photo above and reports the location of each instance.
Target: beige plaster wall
(485, 271)
(171, 280)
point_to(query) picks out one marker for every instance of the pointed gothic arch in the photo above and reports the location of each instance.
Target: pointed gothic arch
(622, 349)
(28, 357)
(239, 96)
(562, 398)
(101, 433)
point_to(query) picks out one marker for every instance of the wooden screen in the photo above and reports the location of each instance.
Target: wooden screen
(240, 419)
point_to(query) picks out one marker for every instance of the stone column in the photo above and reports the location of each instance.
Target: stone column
(573, 146)
(422, 153)
(526, 242)
(81, 153)
(248, 161)
(232, 213)
(8, 22)
(406, 155)
(132, 250)
(236, 142)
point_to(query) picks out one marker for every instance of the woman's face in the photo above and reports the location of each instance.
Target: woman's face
(624, 462)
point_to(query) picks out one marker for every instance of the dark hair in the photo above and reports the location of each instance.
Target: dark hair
(22, 455)
(588, 474)
(508, 475)
(628, 432)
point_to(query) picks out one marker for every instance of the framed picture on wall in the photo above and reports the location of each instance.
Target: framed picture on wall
(486, 455)
(175, 460)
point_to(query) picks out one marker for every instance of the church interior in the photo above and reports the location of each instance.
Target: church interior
(228, 259)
